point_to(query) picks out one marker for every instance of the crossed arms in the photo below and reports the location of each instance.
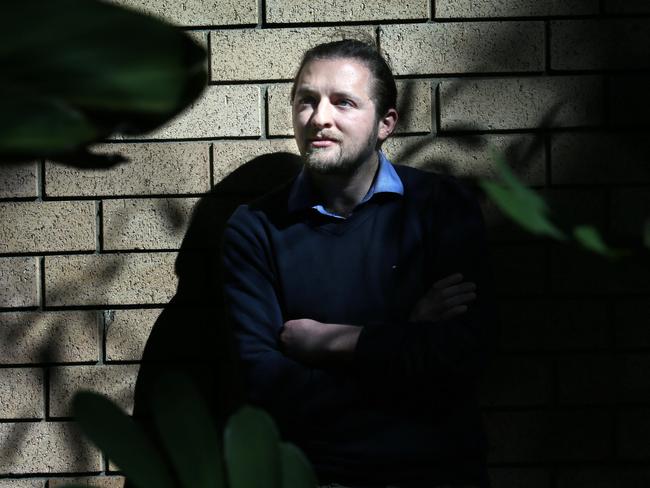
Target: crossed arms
(313, 342)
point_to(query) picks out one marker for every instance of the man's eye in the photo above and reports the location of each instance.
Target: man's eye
(307, 100)
(345, 102)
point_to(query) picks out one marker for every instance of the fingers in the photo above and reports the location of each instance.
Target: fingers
(453, 312)
(456, 300)
(448, 281)
(463, 288)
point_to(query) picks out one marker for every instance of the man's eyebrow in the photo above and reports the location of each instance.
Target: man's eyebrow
(341, 93)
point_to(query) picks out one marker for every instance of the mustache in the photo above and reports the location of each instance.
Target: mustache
(323, 135)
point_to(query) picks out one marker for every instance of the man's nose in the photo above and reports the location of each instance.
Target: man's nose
(322, 116)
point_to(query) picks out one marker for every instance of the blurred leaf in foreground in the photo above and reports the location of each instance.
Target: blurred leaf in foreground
(589, 238)
(122, 440)
(520, 203)
(88, 69)
(296, 469)
(252, 451)
(188, 433)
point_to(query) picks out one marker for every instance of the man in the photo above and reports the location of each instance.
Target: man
(346, 291)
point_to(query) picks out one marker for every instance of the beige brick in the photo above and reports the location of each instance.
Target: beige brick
(283, 12)
(279, 110)
(414, 106)
(464, 47)
(21, 393)
(117, 382)
(221, 111)
(600, 44)
(22, 483)
(516, 380)
(47, 226)
(573, 270)
(228, 156)
(154, 168)
(519, 477)
(469, 155)
(110, 279)
(198, 12)
(18, 180)
(127, 332)
(565, 325)
(519, 270)
(414, 102)
(153, 223)
(630, 211)
(599, 158)
(631, 316)
(19, 282)
(605, 475)
(629, 102)
(627, 6)
(270, 54)
(48, 337)
(514, 8)
(520, 102)
(90, 481)
(46, 447)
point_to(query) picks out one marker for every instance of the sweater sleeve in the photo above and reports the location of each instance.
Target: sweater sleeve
(296, 395)
(438, 360)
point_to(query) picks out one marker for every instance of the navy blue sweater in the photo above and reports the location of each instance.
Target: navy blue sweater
(405, 408)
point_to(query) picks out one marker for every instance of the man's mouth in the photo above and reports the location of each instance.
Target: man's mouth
(322, 141)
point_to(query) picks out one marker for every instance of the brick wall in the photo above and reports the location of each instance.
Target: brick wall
(87, 257)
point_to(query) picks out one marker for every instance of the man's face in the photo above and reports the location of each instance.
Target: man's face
(334, 118)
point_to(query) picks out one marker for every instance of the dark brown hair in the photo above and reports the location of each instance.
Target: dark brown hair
(383, 86)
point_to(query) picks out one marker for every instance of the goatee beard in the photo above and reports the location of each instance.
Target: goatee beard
(339, 167)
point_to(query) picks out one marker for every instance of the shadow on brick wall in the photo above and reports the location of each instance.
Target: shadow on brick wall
(567, 398)
(191, 334)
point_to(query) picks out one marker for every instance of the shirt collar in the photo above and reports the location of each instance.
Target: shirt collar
(302, 196)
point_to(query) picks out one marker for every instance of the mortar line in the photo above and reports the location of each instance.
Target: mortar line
(209, 55)
(547, 46)
(41, 283)
(548, 163)
(211, 167)
(100, 324)
(435, 103)
(99, 227)
(261, 14)
(264, 112)
(437, 113)
(607, 106)
(40, 180)
(46, 394)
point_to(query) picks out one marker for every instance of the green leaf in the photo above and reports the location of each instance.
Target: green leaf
(518, 202)
(251, 446)
(296, 469)
(523, 207)
(96, 68)
(121, 440)
(188, 432)
(589, 238)
(45, 126)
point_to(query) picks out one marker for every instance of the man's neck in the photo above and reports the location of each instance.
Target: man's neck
(342, 193)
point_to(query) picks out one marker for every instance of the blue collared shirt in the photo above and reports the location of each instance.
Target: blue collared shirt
(386, 181)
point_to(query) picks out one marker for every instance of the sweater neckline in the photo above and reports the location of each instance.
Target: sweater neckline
(337, 226)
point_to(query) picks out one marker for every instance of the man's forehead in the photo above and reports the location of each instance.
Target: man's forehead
(345, 74)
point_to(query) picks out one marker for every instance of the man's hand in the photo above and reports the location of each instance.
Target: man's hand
(447, 298)
(310, 341)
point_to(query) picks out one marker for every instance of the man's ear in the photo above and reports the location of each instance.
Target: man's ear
(387, 124)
